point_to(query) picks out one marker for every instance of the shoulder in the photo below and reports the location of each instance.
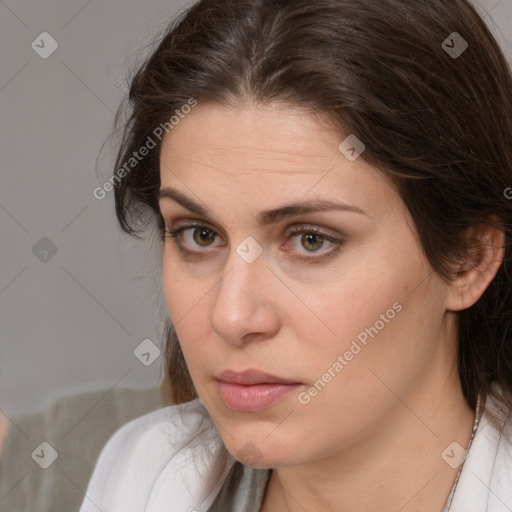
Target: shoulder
(147, 436)
(143, 461)
(485, 480)
(166, 426)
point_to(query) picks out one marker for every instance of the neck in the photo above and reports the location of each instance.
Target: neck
(399, 467)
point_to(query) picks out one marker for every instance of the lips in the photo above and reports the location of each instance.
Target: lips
(253, 390)
(250, 377)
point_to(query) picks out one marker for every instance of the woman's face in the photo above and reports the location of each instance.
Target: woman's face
(338, 302)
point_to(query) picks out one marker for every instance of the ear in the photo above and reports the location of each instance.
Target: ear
(484, 258)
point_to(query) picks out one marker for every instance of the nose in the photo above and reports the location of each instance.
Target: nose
(245, 307)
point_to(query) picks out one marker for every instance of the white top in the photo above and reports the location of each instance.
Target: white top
(174, 460)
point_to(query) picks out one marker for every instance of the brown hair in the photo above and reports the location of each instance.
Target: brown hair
(438, 124)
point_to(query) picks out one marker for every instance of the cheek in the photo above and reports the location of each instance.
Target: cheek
(182, 293)
(344, 308)
(186, 302)
(366, 313)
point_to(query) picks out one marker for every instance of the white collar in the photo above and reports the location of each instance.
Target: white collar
(485, 483)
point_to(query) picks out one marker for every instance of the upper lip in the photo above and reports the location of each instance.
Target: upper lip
(250, 377)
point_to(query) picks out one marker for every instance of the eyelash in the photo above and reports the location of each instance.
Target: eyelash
(300, 229)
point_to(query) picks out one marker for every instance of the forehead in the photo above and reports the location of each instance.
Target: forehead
(268, 132)
(265, 153)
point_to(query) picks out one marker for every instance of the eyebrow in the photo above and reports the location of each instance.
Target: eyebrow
(264, 217)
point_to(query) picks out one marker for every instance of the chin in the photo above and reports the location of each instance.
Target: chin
(260, 452)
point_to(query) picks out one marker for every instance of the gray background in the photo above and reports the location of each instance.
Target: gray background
(72, 322)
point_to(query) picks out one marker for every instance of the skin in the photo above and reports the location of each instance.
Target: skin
(372, 438)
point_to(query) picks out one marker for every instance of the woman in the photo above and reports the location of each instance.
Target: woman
(330, 182)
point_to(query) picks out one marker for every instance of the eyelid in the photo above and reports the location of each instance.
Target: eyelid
(191, 222)
(293, 229)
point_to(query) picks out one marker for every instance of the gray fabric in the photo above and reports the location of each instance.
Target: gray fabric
(77, 427)
(243, 490)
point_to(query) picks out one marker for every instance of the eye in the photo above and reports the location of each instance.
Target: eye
(191, 238)
(200, 235)
(313, 240)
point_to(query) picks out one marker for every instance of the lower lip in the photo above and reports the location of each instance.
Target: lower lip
(255, 397)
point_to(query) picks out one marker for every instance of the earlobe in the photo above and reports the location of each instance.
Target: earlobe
(483, 261)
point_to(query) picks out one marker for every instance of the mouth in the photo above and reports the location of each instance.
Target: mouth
(253, 390)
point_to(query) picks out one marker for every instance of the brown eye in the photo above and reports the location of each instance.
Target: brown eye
(202, 236)
(313, 240)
